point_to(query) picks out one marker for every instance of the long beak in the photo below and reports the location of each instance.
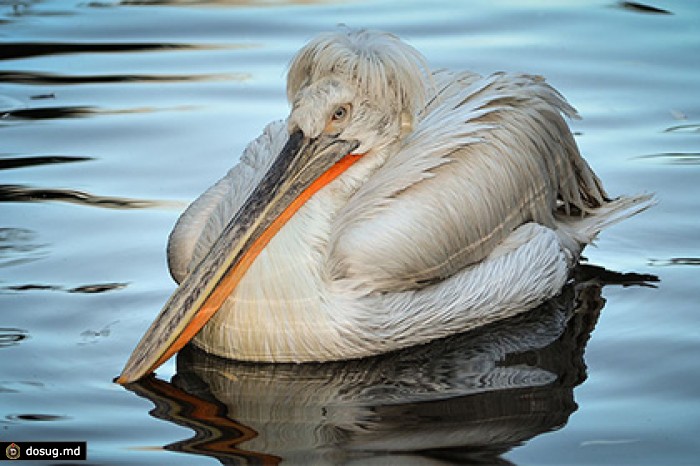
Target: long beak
(303, 167)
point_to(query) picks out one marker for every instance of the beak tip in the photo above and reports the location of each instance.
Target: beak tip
(126, 379)
(123, 379)
(130, 374)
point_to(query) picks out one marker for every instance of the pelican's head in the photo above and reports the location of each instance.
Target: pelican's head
(359, 85)
(352, 92)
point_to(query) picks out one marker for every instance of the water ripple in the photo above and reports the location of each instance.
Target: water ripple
(690, 128)
(85, 289)
(15, 50)
(225, 3)
(675, 261)
(18, 245)
(37, 417)
(93, 336)
(9, 386)
(12, 336)
(97, 288)
(52, 113)
(676, 158)
(35, 78)
(643, 8)
(19, 193)
(32, 287)
(8, 163)
(47, 113)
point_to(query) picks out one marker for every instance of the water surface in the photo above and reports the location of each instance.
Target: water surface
(114, 115)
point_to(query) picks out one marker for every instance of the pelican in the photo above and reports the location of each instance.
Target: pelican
(395, 205)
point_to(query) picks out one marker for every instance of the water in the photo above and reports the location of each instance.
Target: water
(115, 115)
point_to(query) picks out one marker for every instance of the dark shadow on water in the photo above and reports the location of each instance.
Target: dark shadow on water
(466, 399)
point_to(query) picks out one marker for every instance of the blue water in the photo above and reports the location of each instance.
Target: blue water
(113, 116)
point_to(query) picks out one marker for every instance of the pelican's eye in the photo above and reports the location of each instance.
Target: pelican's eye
(341, 113)
(339, 119)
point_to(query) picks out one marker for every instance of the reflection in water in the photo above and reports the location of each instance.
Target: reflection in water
(467, 398)
(25, 77)
(7, 163)
(595, 273)
(18, 193)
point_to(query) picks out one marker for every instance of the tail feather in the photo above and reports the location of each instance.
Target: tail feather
(583, 230)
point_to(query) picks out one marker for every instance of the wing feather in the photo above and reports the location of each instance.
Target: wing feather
(203, 221)
(487, 155)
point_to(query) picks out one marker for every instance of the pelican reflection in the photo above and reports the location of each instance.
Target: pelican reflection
(467, 398)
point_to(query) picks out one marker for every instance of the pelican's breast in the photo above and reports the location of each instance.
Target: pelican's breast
(280, 309)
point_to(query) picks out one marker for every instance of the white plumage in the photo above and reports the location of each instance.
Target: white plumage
(471, 204)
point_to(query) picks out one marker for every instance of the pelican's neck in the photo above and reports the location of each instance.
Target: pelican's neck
(347, 184)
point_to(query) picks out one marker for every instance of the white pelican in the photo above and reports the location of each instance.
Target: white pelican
(393, 206)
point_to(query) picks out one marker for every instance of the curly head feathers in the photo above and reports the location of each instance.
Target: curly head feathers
(379, 64)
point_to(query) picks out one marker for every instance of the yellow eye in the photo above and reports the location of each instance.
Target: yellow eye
(340, 113)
